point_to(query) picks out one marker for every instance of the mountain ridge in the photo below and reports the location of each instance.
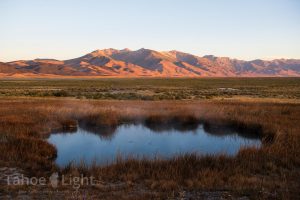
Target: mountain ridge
(149, 63)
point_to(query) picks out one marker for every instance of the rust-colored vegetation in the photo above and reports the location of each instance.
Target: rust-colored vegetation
(24, 123)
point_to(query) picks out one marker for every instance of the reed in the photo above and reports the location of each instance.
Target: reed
(24, 122)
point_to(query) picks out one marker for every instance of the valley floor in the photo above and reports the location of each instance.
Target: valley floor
(270, 172)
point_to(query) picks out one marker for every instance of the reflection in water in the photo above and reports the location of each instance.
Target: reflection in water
(165, 125)
(104, 144)
(225, 130)
(104, 132)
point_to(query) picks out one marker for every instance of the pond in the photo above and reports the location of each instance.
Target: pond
(138, 140)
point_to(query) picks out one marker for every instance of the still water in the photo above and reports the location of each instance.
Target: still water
(104, 145)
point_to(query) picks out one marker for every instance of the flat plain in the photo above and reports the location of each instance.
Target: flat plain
(153, 88)
(31, 109)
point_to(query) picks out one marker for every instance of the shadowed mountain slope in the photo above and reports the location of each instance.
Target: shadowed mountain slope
(150, 63)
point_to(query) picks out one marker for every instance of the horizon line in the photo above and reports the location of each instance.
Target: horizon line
(160, 51)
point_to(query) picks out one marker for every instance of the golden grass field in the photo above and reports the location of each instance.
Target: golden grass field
(271, 172)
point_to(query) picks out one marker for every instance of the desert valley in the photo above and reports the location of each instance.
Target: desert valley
(160, 100)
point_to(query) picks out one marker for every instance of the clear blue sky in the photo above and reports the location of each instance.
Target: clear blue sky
(62, 29)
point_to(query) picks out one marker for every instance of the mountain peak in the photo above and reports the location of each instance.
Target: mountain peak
(103, 52)
(144, 50)
(147, 62)
(125, 50)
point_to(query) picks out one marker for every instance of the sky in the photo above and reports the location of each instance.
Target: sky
(65, 29)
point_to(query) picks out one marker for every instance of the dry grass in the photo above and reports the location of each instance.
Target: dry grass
(271, 170)
(154, 88)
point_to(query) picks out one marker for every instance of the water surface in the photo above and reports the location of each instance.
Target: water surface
(103, 145)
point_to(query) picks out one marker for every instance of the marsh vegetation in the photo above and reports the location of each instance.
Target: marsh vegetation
(269, 171)
(154, 88)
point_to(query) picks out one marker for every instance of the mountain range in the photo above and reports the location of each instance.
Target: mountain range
(149, 63)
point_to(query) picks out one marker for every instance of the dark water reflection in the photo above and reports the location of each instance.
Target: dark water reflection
(104, 144)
